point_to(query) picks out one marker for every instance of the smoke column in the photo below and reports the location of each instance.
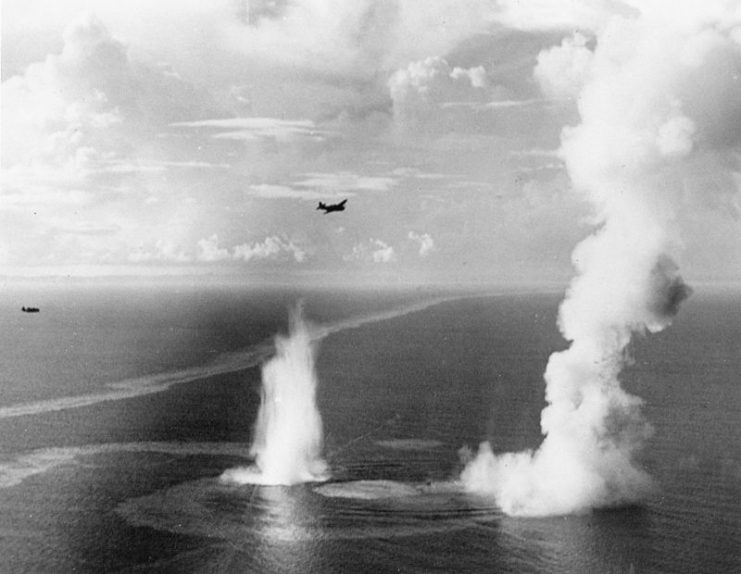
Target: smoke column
(288, 433)
(659, 99)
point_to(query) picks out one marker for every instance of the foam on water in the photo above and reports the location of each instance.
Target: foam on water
(340, 511)
(14, 470)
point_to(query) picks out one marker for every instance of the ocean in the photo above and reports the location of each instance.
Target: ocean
(121, 407)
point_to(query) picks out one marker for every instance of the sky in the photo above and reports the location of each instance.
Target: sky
(189, 138)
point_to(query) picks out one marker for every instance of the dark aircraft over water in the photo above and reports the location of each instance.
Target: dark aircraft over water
(332, 207)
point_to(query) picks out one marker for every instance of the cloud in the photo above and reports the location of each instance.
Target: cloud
(87, 110)
(155, 166)
(433, 100)
(252, 129)
(86, 228)
(271, 247)
(209, 250)
(121, 125)
(563, 70)
(536, 153)
(566, 15)
(495, 104)
(418, 90)
(425, 241)
(476, 76)
(358, 39)
(270, 191)
(416, 173)
(355, 38)
(382, 252)
(343, 181)
(324, 185)
(163, 251)
(374, 251)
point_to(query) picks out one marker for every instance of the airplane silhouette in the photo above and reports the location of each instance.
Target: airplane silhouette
(332, 207)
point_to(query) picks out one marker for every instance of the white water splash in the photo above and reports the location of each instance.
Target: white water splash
(288, 433)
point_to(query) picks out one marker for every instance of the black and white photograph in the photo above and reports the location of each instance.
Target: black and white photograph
(370, 286)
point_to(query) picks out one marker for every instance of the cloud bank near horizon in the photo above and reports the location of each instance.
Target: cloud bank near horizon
(128, 140)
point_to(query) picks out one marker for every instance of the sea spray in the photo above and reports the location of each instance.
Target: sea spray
(288, 438)
(656, 98)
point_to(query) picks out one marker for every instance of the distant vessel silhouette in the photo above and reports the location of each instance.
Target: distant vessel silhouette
(30, 309)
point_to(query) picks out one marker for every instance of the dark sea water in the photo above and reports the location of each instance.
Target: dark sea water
(121, 407)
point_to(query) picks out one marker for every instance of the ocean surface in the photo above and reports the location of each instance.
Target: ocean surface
(120, 408)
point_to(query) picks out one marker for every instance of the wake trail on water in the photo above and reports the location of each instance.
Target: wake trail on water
(225, 364)
(140, 386)
(14, 470)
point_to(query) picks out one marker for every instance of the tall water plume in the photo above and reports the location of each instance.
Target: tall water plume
(660, 105)
(288, 438)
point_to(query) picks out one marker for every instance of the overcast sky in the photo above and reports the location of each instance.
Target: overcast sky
(189, 137)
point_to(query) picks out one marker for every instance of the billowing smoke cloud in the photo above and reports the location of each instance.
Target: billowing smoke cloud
(660, 94)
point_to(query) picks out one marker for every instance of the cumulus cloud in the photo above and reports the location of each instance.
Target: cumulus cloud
(162, 251)
(425, 241)
(563, 70)
(86, 115)
(208, 250)
(357, 38)
(81, 131)
(374, 250)
(431, 76)
(382, 252)
(271, 247)
(418, 90)
(477, 76)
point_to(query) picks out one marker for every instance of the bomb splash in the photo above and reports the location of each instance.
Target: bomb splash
(655, 102)
(288, 438)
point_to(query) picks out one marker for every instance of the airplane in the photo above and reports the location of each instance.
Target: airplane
(332, 207)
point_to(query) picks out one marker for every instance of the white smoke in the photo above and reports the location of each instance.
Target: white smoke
(659, 95)
(288, 440)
